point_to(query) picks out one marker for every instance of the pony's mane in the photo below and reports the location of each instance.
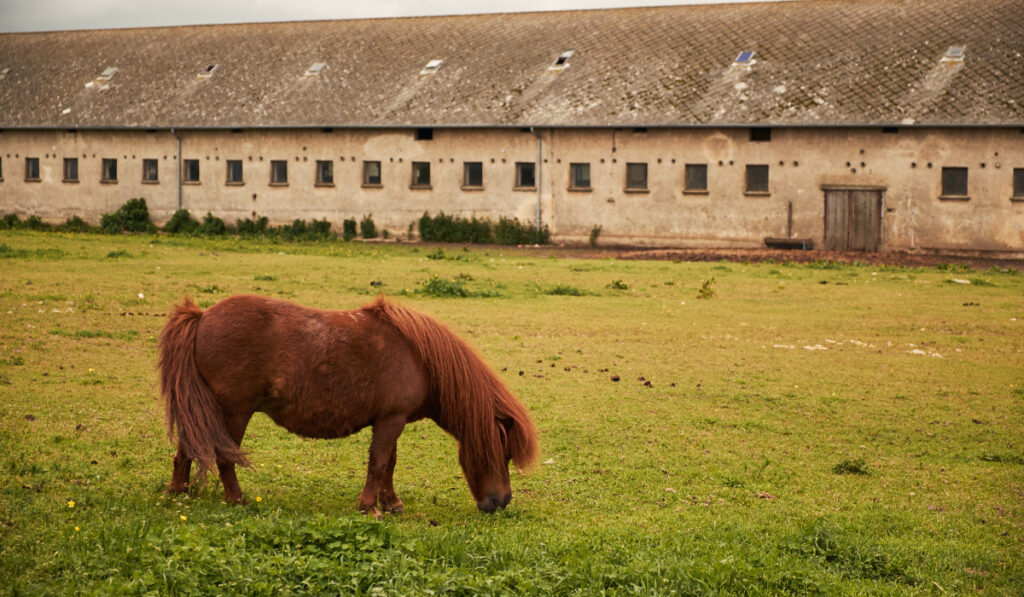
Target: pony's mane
(471, 396)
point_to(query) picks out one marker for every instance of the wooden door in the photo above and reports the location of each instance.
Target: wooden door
(853, 220)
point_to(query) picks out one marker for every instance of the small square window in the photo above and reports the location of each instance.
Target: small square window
(31, 168)
(757, 179)
(109, 173)
(424, 134)
(1018, 183)
(473, 174)
(696, 178)
(150, 170)
(371, 173)
(525, 177)
(191, 173)
(636, 177)
(760, 134)
(279, 172)
(421, 174)
(234, 172)
(579, 176)
(325, 172)
(70, 169)
(954, 182)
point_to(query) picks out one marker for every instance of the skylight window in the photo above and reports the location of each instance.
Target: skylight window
(108, 74)
(562, 62)
(432, 67)
(315, 69)
(955, 54)
(207, 72)
(745, 57)
(4, 71)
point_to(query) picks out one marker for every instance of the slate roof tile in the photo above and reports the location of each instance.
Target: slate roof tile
(816, 62)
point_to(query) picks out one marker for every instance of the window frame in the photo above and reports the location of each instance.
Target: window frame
(629, 188)
(188, 169)
(574, 168)
(367, 182)
(278, 173)
(1017, 182)
(146, 162)
(108, 167)
(420, 167)
(747, 179)
(321, 179)
(228, 179)
(948, 182)
(519, 186)
(467, 184)
(70, 164)
(703, 169)
(30, 165)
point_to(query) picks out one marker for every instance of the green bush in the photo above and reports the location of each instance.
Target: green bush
(212, 225)
(367, 227)
(348, 229)
(594, 233)
(10, 221)
(35, 223)
(181, 222)
(252, 226)
(133, 216)
(74, 224)
(449, 229)
(509, 231)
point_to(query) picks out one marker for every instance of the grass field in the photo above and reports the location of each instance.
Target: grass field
(775, 428)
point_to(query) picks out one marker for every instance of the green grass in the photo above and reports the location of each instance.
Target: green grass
(727, 459)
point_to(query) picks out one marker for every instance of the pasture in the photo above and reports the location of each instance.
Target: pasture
(705, 428)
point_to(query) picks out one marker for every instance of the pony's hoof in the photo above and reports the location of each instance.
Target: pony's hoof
(395, 508)
(376, 514)
(239, 501)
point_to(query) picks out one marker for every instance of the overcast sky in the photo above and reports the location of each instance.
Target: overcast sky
(50, 15)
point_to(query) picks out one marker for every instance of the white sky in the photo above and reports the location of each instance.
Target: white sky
(51, 15)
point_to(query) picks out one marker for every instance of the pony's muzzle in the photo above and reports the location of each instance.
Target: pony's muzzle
(493, 502)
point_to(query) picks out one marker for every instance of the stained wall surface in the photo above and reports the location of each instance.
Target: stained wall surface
(904, 164)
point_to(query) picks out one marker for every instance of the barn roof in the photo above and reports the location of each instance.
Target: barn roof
(814, 62)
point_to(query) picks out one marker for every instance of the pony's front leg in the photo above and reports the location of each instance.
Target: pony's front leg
(380, 469)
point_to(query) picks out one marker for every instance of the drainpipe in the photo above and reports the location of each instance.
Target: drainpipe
(538, 181)
(179, 166)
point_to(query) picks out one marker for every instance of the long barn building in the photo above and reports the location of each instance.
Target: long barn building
(874, 125)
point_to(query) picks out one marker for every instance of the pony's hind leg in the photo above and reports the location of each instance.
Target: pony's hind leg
(235, 425)
(379, 471)
(182, 470)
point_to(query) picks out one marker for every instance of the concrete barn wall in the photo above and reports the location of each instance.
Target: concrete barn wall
(906, 165)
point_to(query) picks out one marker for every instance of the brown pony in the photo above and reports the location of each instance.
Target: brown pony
(328, 374)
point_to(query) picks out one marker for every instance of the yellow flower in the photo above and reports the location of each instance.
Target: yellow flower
(183, 517)
(71, 503)
(76, 529)
(259, 499)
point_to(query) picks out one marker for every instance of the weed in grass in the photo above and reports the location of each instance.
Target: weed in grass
(617, 285)
(563, 290)
(119, 254)
(265, 278)
(1005, 458)
(851, 467)
(706, 289)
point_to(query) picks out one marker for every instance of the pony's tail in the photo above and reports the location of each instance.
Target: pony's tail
(191, 405)
(472, 397)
